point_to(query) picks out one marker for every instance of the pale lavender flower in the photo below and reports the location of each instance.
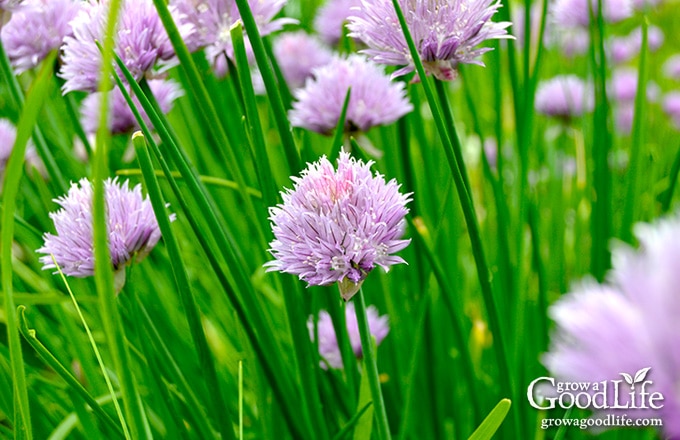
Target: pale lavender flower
(571, 41)
(627, 324)
(141, 42)
(212, 21)
(671, 68)
(623, 49)
(624, 113)
(338, 225)
(374, 99)
(131, 224)
(10, 5)
(671, 105)
(37, 28)
(518, 23)
(328, 343)
(446, 34)
(8, 134)
(575, 13)
(643, 5)
(332, 16)
(121, 118)
(297, 54)
(564, 96)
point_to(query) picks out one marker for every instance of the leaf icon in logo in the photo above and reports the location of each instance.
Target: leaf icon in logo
(641, 374)
(628, 378)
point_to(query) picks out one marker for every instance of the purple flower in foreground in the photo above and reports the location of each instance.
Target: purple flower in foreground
(575, 13)
(35, 29)
(328, 343)
(627, 324)
(297, 54)
(121, 118)
(213, 19)
(445, 33)
(564, 96)
(338, 225)
(374, 99)
(141, 43)
(132, 228)
(331, 18)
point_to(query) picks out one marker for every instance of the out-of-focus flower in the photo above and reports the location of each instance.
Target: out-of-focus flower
(141, 42)
(671, 68)
(328, 343)
(671, 105)
(627, 324)
(564, 96)
(212, 21)
(8, 135)
(575, 13)
(338, 225)
(9, 5)
(623, 49)
(518, 23)
(121, 118)
(332, 16)
(571, 41)
(374, 99)
(131, 224)
(297, 54)
(624, 113)
(446, 34)
(35, 29)
(643, 5)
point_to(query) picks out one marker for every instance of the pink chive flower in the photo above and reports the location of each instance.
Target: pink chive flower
(8, 134)
(213, 19)
(121, 118)
(328, 343)
(37, 28)
(337, 225)
(564, 96)
(10, 5)
(626, 324)
(132, 228)
(671, 105)
(671, 68)
(331, 18)
(623, 49)
(298, 53)
(446, 34)
(141, 42)
(575, 13)
(374, 99)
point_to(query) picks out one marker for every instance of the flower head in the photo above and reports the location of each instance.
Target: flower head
(141, 42)
(445, 33)
(338, 225)
(37, 28)
(8, 134)
(328, 343)
(671, 68)
(121, 118)
(297, 54)
(671, 105)
(131, 224)
(564, 96)
(628, 323)
(576, 13)
(213, 19)
(374, 99)
(331, 18)
(623, 49)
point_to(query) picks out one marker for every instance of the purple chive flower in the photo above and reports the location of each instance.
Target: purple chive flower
(575, 13)
(671, 68)
(141, 42)
(331, 18)
(132, 228)
(8, 134)
(374, 99)
(627, 324)
(623, 49)
(37, 28)
(671, 105)
(564, 96)
(213, 19)
(338, 225)
(121, 118)
(446, 33)
(571, 41)
(328, 343)
(10, 5)
(297, 54)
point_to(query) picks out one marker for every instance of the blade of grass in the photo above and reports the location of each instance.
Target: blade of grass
(492, 422)
(13, 173)
(336, 146)
(51, 361)
(193, 316)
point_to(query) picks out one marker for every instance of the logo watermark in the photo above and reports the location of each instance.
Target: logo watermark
(631, 393)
